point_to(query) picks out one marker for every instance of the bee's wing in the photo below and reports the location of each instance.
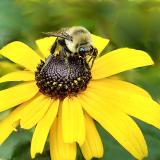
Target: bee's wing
(60, 33)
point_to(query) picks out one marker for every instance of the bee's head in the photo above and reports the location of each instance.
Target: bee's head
(81, 40)
(83, 49)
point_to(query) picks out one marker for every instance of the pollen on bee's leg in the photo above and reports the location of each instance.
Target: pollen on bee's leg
(59, 79)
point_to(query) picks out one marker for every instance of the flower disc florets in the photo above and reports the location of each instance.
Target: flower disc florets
(61, 77)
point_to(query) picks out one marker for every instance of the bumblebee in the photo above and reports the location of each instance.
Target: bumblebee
(75, 40)
(67, 70)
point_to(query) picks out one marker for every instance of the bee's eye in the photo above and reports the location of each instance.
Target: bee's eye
(82, 50)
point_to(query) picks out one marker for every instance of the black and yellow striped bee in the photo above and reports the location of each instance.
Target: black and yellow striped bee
(75, 40)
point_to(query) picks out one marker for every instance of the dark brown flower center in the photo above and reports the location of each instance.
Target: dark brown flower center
(59, 77)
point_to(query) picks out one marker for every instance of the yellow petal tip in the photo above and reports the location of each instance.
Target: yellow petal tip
(118, 61)
(12, 44)
(142, 54)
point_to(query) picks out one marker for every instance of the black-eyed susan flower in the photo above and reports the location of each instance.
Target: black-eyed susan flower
(65, 108)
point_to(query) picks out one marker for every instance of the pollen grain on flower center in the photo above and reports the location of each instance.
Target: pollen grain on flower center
(62, 77)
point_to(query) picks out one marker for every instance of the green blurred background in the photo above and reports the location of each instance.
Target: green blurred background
(127, 23)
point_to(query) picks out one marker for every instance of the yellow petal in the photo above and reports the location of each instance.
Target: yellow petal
(18, 76)
(6, 130)
(58, 149)
(34, 110)
(9, 124)
(7, 127)
(16, 95)
(45, 45)
(118, 124)
(21, 54)
(73, 126)
(118, 61)
(99, 43)
(7, 67)
(135, 102)
(42, 129)
(93, 146)
(118, 85)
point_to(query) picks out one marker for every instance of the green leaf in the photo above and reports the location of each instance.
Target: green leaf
(11, 145)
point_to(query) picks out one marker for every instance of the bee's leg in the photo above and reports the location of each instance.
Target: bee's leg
(69, 70)
(93, 56)
(47, 61)
(64, 55)
(90, 59)
(54, 46)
